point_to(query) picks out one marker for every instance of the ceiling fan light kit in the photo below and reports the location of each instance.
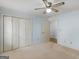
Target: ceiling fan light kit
(48, 10)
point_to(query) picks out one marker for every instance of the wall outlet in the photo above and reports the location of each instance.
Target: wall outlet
(68, 42)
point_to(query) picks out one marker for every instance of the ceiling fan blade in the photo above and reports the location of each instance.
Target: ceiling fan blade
(46, 3)
(39, 8)
(55, 10)
(59, 4)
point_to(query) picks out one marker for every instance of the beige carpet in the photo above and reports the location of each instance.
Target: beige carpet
(43, 51)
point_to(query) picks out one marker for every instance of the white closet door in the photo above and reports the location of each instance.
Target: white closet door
(22, 36)
(28, 32)
(7, 33)
(1, 34)
(15, 33)
(45, 31)
(37, 30)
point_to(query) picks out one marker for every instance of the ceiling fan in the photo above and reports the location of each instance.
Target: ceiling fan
(49, 6)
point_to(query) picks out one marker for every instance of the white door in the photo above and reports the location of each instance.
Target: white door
(1, 34)
(15, 33)
(7, 33)
(40, 31)
(37, 37)
(45, 31)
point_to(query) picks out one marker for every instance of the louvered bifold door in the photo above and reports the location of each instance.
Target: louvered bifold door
(22, 37)
(15, 33)
(7, 33)
(28, 31)
(25, 32)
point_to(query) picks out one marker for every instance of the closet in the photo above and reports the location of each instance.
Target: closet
(14, 33)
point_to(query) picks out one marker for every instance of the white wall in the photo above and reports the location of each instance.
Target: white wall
(67, 29)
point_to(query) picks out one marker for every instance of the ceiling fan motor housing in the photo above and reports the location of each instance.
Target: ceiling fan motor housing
(50, 4)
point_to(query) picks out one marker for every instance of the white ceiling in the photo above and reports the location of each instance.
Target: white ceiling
(27, 6)
(70, 5)
(21, 5)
